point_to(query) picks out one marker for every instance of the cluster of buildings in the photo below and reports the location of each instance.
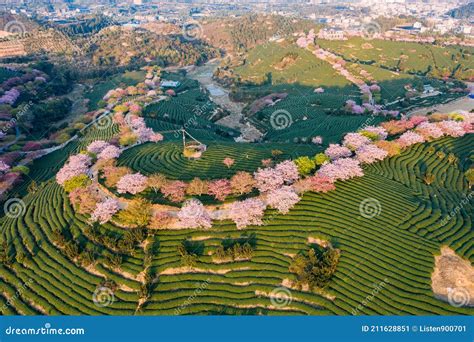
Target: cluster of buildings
(341, 18)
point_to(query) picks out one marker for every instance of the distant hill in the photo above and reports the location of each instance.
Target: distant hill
(463, 12)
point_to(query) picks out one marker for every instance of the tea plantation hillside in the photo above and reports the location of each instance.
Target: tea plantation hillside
(395, 248)
(407, 57)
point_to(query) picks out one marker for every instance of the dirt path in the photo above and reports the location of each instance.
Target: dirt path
(220, 96)
(462, 104)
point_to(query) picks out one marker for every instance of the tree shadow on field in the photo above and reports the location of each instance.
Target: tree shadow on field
(229, 242)
(194, 247)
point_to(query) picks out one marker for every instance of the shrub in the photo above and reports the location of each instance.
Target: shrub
(137, 213)
(305, 165)
(80, 181)
(25, 170)
(321, 159)
(315, 269)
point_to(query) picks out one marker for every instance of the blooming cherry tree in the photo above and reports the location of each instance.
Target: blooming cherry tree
(268, 179)
(369, 154)
(320, 183)
(336, 151)
(380, 132)
(194, 215)
(288, 171)
(353, 141)
(429, 130)
(110, 152)
(97, 146)
(283, 199)
(410, 138)
(341, 169)
(77, 165)
(248, 212)
(132, 183)
(105, 210)
(452, 128)
(220, 189)
(174, 191)
(4, 167)
(242, 183)
(228, 162)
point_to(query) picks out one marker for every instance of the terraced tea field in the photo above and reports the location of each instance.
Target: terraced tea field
(405, 56)
(393, 250)
(169, 160)
(288, 64)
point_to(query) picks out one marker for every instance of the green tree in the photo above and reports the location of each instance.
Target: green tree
(321, 158)
(305, 165)
(81, 181)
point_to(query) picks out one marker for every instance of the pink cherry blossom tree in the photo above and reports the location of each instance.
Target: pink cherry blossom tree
(452, 128)
(132, 183)
(283, 199)
(409, 138)
(268, 179)
(105, 210)
(417, 119)
(220, 189)
(174, 191)
(77, 165)
(110, 152)
(353, 141)
(97, 146)
(319, 183)
(4, 167)
(369, 154)
(377, 130)
(429, 130)
(156, 137)
(341, 169)
(194, 215)
(336, 151)
(288, 171)
(228, 162)
(248, 212)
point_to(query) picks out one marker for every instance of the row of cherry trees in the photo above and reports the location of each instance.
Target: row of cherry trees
(279, 186)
